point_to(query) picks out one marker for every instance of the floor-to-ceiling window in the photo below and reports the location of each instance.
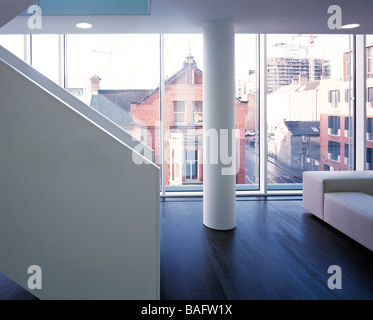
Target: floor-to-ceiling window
(310, 106)
(369, 103)
(310, 99)
(118, 75)
(247, 111)
(183, 112)
(47, 52)
(18, 44)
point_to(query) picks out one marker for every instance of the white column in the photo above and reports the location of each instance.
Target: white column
(360, 102)
(219, 174)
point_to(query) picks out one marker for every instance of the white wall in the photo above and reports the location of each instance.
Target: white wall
(73, 201)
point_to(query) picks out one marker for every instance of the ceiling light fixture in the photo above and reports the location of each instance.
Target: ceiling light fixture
(351, 26)
(83, 25)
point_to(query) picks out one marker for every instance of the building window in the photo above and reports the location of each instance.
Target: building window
(347, 153)
(370, 97)
(305, 139)
(197, 112)
(369, 62)
(334, 125)
(179, 112)
(305, 152)
(369, 128)
(78, 92)
(334, 151)
(369, 164)
(347, 126)
(348, 65)
(333, 98)
(175, 167)
(349, 95)
(191, 165)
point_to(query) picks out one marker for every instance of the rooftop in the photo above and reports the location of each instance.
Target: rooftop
(297, 128)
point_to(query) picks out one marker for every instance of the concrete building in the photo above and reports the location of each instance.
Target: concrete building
(282, 70)
(294, 102)
(296, 144)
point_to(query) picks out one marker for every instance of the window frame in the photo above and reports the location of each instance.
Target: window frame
(177, 113)
(194, 104)
(334, 98)
(188, 177)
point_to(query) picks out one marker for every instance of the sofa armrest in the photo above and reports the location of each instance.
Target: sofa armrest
(313, 194)
(317, 183)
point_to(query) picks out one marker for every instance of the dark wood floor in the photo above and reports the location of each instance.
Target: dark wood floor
(277, 251)
(9, 290)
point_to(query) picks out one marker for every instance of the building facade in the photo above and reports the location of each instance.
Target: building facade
(183, 109)
(297, 144)
(183, 117)
(282, 71)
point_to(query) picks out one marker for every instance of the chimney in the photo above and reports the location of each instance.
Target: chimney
(303, 78)
(95, 84)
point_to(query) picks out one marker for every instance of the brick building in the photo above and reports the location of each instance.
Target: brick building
(137, 111)
(183, 107)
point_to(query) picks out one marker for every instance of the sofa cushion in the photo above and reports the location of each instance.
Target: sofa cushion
(352, 214)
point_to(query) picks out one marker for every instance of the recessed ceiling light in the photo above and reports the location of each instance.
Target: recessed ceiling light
(351, 26)
(83, 25)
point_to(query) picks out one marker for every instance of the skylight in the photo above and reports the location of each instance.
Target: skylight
(93, 7)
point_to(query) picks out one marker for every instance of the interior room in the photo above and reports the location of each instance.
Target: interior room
(186, 150)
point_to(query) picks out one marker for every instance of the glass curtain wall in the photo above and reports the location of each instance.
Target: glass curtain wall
(183, 108)
(47, 53)
(369, 103)
(118, 75)
(310, 98)
(183, 112)
(309, 106)
(18, 44)
(247, 111)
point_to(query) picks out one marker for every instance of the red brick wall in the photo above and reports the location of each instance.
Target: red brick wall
(181, 89)
(325, 137)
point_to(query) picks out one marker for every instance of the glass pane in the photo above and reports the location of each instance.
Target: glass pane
(179, 106)
(197, 112)
(118, 75)
(247, 112)
(197, 106)
(369, 104)
(18, 44)
(179, 118)
(191, 164)
(183, 136)
(47, 56)
(309, 95)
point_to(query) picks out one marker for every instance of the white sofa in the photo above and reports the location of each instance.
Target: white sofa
(343, 199)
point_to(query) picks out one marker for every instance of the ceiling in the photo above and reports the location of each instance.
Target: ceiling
(188, 16)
